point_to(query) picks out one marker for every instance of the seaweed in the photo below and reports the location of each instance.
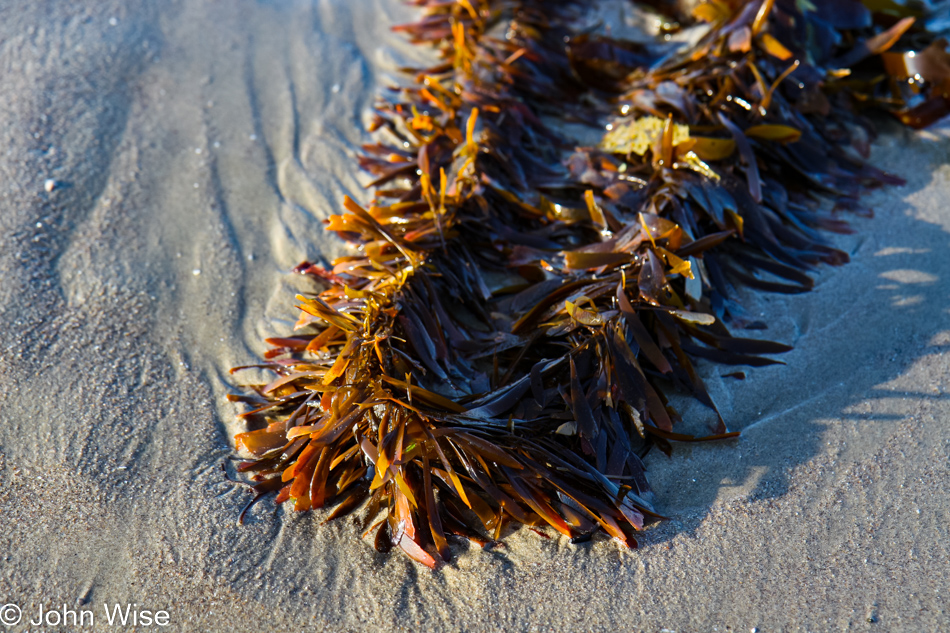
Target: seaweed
(502, 345)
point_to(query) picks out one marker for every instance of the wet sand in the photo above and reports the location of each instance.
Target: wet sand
(194, 148)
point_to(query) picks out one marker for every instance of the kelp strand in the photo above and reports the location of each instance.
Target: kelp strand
(502, 344)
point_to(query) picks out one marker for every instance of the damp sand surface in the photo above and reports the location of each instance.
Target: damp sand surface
(164, 164)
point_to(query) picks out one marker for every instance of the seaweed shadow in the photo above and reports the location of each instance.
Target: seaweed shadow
(863, 327)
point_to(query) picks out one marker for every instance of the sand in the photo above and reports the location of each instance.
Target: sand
(165, 164)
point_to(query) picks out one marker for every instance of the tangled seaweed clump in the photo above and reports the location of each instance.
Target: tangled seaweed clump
(503, 343)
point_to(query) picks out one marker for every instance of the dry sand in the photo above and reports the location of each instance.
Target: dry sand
(194, 146)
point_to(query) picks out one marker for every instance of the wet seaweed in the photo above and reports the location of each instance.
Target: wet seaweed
(502, 345)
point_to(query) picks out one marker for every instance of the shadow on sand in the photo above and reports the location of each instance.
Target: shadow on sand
(863, 326)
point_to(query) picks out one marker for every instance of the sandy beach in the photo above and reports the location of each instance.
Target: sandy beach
(165, 165)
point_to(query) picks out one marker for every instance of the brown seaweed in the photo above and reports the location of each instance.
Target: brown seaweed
(502, 344)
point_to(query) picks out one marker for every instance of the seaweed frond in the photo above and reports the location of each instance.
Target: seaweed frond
(501, 345)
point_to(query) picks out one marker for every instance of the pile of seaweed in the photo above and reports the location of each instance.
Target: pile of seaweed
(502, 345)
